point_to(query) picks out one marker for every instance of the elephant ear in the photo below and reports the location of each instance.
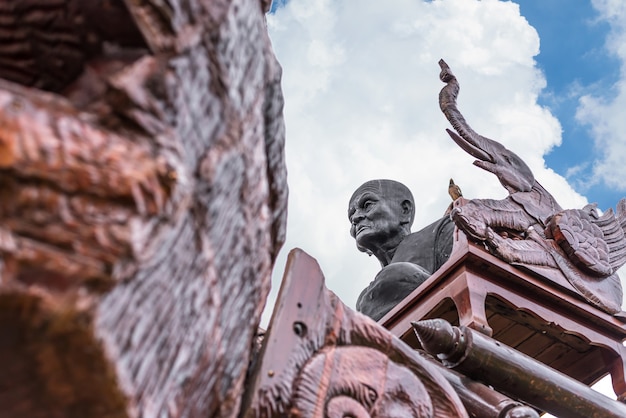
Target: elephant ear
(583, 240)
(614, 229)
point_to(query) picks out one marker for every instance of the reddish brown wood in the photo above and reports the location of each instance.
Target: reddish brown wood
(47, 43)
(521, 308)
(322, 359)
(143, 203)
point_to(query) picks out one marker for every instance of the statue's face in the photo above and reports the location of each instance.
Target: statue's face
(375, 219)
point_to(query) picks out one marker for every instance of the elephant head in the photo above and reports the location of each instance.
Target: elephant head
(492, 156)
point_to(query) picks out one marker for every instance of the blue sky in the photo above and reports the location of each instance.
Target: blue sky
(574, 59)
(545, 78)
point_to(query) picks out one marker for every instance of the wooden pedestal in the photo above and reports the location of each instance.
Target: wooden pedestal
(534, 310)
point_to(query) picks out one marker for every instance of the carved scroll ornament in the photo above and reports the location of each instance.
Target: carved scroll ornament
(321, 359)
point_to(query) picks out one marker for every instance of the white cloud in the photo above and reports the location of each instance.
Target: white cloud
(605, 114)
(361, 86)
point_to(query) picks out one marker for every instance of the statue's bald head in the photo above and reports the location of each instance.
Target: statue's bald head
(381, 213)
(390, 190)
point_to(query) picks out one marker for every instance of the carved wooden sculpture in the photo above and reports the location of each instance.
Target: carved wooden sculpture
(529, 227)
(321, 359)
(143, 202)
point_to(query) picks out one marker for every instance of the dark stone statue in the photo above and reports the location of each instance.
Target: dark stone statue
(381, 213)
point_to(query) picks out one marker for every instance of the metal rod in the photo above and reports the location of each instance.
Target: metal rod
(484, 402)
(513, 373)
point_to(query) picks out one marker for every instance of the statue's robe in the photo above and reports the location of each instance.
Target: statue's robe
(417, 257)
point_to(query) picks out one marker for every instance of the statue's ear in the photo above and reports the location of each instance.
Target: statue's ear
(407, 211)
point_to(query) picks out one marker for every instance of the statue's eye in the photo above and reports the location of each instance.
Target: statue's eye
(367, 204)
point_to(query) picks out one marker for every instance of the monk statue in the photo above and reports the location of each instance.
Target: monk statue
(381, 213)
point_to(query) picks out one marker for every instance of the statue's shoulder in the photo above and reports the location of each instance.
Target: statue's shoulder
(429, 247)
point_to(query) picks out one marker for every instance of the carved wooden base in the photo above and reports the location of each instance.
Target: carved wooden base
(538, 314)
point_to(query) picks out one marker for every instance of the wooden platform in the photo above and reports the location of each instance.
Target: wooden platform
(534, 310)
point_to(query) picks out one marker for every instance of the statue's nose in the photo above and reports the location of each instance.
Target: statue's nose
(356, 217)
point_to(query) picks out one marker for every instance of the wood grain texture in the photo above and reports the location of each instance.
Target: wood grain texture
(47, 43)
(141, 212)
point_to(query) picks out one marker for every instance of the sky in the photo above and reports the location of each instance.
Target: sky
(360, 77)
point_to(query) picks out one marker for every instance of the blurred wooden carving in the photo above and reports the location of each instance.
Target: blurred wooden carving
(529, 227)
(143, 200)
